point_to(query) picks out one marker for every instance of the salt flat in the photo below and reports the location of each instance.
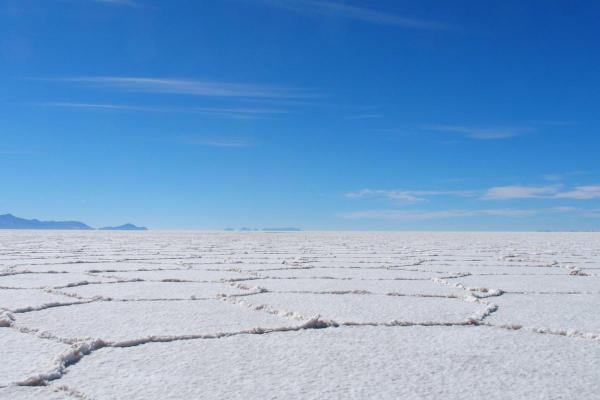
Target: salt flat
(187, 315)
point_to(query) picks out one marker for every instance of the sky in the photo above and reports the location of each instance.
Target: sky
(323, 115)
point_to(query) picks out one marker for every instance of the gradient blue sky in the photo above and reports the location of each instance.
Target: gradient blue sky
(453, 115)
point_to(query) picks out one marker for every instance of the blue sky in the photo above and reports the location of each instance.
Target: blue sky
(408, 115)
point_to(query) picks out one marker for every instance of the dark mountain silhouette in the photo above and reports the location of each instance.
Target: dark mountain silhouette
(9, 221)
(126, 227)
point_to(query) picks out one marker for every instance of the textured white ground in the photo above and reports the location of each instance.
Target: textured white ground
(165, 315)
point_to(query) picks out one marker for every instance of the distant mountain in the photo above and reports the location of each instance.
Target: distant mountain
(9, 221)
(126, 227)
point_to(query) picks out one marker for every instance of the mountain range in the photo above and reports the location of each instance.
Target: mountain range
(9, 221)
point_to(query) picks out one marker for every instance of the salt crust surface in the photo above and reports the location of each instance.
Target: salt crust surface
(357, 363)
(106, 315)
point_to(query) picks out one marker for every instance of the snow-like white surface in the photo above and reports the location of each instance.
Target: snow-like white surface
(93, 267)
(347, 273)
(361, 309)
(405, 287)
(33, 393)
(192, 275)
(153, 290)
(31, 299)
(534, 284)
(173, 315)
(49, 280)
(357, 363)
(121, 321)
(573, 312)
(24, 355)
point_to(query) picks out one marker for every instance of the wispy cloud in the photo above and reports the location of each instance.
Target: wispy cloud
(222, 112)
(192, 87)
(480, 133)
(420, 215)
(588, 192)
(353, 12)
(513, 192)
(401, 215)
(405, 195)
(581, 193)
(519, 192)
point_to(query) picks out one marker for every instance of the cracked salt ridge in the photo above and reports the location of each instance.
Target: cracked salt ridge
(147, 290)
(25, 355)
(37, 281)
(24, 300)
(344, 273)
(550, 313)
(38, 393)
(96, 267)
(81, 349)
(476, 292)
(324, 286)
(183, 275)
(535, 284)
(382, 310)
(475, 270)
(126, 321)
(318, 364)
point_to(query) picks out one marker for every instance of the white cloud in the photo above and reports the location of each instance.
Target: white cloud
(401, 215)
(192, 87)
(588, 192)
(419, 215)
(352, 12)
(581, 193)
(223, 112)
(405, 195)
(519, 192)
(479, 133)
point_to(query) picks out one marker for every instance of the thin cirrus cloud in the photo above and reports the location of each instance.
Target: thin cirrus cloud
(519, 192)
(402, 215)
(352, 12)
(586, 192)
(405, 195)
(479, 133)
(221, 112)
(192, 87)
(514, 192)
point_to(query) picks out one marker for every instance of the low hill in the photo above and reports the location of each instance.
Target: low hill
(9, 221)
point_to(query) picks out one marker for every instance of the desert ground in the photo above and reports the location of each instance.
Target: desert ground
(337, 315)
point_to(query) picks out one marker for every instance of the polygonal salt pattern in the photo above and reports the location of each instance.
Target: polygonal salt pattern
(549, 311)
(403, 287)
(115, 321)
(171, 315)
(431, 363)
(49, 280)
(19, 300)
(24, 356)
(153, 290)
(365, 309)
